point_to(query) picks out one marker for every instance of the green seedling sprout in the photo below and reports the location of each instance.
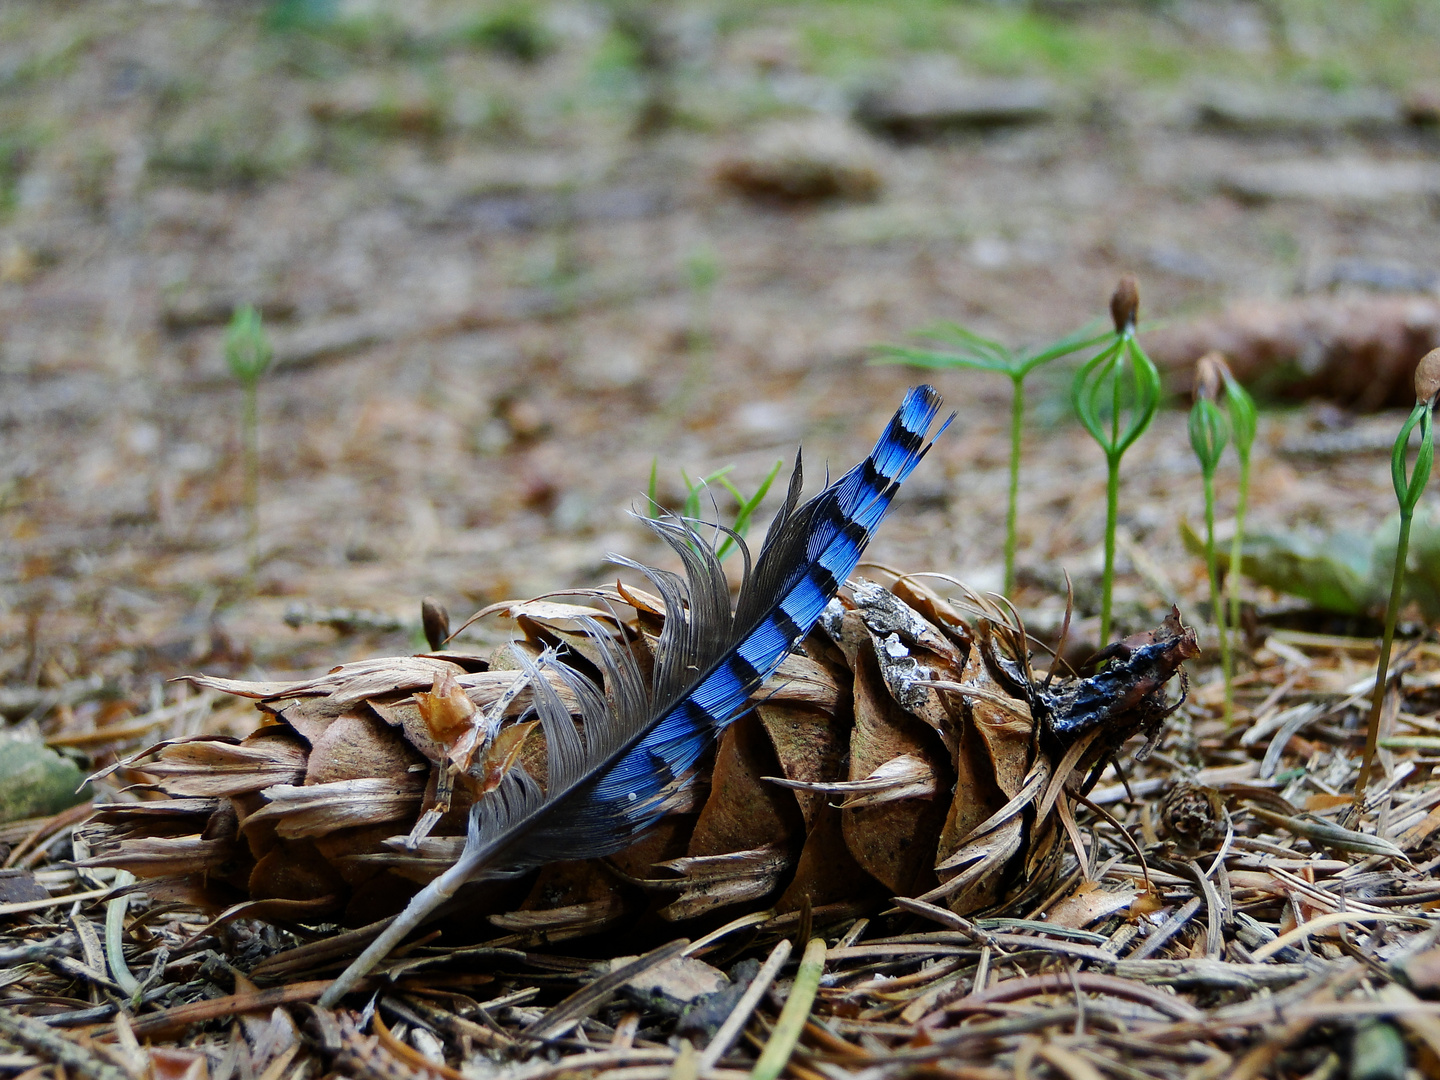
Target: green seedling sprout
(692, 507)
(247, 351)
(1243, 422)
(702, 271)
(1209, 432)
(1102, 397)
(982, 354)
(1407, 491)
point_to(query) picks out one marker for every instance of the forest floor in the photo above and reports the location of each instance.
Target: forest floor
(503, 288)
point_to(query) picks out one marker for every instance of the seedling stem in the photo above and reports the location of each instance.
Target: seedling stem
(1209, 432)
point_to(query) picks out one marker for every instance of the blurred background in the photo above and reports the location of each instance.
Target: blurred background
(510, 256)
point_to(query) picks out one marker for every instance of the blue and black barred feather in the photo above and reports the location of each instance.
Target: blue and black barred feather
(641, 743)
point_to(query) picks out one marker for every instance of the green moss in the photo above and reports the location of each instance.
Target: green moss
(513, 30)
(1007, 42)
(1369, 42)
(35, 781)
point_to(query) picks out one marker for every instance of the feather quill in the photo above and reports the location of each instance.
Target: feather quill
(641, 742)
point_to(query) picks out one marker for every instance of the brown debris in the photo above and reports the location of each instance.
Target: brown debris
(803, 161)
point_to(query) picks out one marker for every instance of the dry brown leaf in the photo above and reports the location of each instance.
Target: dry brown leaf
(177, 1063)
(346, 685)
(810, 747)
(666, 841)
(904, 777)
(936, 610)
(992, 762)
(316, 809)
(826, 872)
(295, 871)
(799, 680)
(501, 755)
(164, 856)
(913, 654)
(716, 881)
(571, 920)
(450, 718)
(568, 898)
(885, 613)
(1006, 736)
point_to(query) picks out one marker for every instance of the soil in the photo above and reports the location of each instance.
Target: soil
(490, 324)
(525, 266)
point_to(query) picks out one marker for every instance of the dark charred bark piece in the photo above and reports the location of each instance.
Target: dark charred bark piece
(1126, 698)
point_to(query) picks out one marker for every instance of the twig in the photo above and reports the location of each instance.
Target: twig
(1334, 918)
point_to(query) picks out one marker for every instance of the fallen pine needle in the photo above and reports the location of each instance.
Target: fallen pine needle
(796, 1011)
(735, 1022)
(409, 1055)
(24, 907)
(196, 1012)
(1324, 922)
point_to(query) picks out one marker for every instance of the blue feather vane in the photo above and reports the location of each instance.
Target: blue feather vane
(642, 738)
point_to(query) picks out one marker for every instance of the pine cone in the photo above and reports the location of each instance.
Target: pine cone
(903, 751)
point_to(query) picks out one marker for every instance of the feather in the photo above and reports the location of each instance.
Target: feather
(641, 743)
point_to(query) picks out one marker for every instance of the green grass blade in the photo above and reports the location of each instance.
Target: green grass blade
(747, 506)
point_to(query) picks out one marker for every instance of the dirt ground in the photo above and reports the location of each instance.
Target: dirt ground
(498, 294)
(515, 260)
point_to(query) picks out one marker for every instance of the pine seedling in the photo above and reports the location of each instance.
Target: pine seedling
(247, 351)
(1243, 422)
(1407, 491)
(1116, 410)
(701, 271)
(1209, 432)
(982, 354)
